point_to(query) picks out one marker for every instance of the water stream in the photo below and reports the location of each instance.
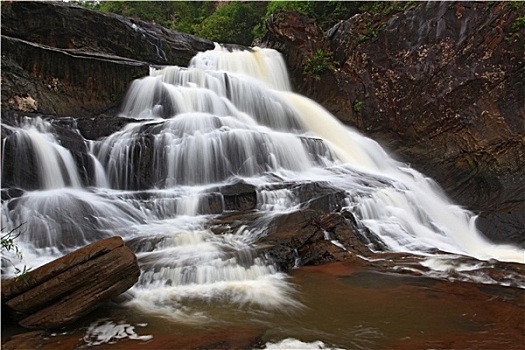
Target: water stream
(230, 116)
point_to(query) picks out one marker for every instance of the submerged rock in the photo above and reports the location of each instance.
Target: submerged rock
(60, 292)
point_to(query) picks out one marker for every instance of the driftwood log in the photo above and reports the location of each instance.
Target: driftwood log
(62, 291)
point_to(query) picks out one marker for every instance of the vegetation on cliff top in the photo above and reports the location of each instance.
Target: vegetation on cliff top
(235, 22)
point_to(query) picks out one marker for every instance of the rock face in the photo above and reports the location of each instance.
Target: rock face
(80, 30)
(66, 60)
(440, 84)
(60, 292)
(313, 237)
(47, 80)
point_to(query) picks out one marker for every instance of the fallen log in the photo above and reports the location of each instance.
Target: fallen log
(62, 291)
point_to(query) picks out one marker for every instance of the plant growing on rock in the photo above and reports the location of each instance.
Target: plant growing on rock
(318, 63)
(9, 246)
(519, 23)
(357, 105)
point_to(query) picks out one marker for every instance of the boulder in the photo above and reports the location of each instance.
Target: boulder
(238, 196)
(60, 292)
(314, 237)
(440, 84)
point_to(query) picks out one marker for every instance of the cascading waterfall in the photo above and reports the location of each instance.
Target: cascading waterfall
(55, 166)
(229, 116)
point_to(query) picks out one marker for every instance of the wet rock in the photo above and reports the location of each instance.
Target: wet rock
(238, 196)
(321, 196)
(63, 83)
(66, 60)
(103, 125)
(62, 291)
(313, 237)
(20, 168)
(507, 217)
(80, 30)
(440, 84)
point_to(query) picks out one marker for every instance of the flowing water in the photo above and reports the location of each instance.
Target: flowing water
(230, 116)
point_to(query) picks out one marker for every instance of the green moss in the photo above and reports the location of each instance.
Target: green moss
(387, 7)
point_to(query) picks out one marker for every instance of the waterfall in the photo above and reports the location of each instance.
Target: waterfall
(229, 116)
(54, 164)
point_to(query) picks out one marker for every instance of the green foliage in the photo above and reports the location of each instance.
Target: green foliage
(320, 62)
(160, 12)
(8, 244)
(93, 5)
(517, 5)
(232, 22)
(357, 105)
(8, 241)
(188, 15)
(386, 7)
(325, 13)
(371, 31)
(518, 23)
(182, 16)
(238, 22)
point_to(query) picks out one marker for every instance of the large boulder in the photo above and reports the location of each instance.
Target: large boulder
(440, 84)
(314, 237)
(60, 292)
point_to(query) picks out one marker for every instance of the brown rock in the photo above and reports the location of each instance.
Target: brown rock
(313, 237)
(60, 292)
(439, 84)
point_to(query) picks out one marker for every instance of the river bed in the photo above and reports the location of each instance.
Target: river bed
(344, 307)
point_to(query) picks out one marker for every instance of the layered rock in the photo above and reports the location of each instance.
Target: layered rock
(39, 78)
(79, 30)
(66, 60)
(317, 232)
(60, 292)
(313, 237)
(440, 84)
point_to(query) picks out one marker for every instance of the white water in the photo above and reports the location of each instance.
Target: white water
(290, 343)
(229, 116)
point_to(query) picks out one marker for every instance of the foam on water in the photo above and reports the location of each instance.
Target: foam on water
(290, 343)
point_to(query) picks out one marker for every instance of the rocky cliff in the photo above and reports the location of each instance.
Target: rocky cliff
(66, 60)
(441, 84)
